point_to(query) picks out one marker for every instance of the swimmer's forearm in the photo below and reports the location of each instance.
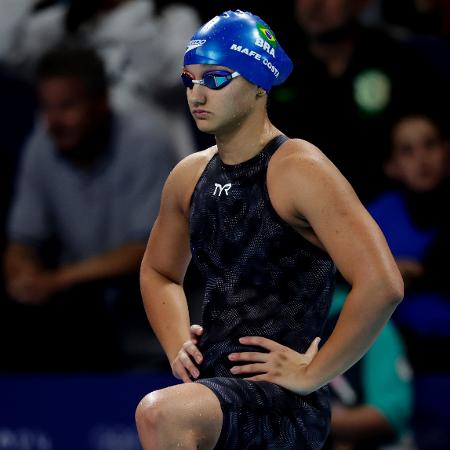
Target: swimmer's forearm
(167, 311)
(367, 309)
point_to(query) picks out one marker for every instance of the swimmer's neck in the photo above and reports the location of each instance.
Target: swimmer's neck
(244, 143)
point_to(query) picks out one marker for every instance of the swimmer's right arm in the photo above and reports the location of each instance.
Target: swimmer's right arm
(163, 269)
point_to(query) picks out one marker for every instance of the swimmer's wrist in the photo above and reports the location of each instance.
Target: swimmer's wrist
(173, 347)
(310, 381)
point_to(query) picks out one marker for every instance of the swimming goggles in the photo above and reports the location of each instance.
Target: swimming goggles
(215, 79)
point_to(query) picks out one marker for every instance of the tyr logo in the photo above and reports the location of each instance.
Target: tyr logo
(219, 188)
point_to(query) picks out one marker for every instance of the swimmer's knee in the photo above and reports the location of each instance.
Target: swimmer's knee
(160, 425)
(152, 411)
(187, 413)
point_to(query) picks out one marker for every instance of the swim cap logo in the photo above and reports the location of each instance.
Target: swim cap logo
(195, 44)
(267, 34)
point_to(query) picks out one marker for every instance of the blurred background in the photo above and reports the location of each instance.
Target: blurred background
(92, 119)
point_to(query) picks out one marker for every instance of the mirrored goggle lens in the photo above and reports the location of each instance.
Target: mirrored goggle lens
(212, 80)
(216, 80)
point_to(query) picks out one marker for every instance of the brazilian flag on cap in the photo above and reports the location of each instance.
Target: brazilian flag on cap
(267, 34)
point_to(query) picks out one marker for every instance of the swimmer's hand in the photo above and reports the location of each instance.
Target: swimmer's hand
(282, 365)
(184, 365)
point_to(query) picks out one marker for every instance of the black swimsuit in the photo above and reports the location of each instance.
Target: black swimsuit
(262, 279)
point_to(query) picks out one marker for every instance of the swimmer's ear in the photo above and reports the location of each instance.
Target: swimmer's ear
(260, 92)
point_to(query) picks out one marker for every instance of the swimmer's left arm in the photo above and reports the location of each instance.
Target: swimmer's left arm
(313, 190)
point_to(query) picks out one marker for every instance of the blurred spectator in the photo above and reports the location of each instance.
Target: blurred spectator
(415, 220)
(372, 402)
(142, 49)
(414, 217)
(87, 193)
(349, 81)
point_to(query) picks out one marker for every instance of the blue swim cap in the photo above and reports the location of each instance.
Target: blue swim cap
(243, 42)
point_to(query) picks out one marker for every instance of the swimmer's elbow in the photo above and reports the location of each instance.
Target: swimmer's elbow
(396, 291)
(392, 288)
(386, 286)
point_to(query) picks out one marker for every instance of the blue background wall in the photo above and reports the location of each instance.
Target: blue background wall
(82, 412)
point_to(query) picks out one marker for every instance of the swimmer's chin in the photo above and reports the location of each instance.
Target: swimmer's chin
(205, 127)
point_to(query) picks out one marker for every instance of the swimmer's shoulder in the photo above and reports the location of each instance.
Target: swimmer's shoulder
(297, 151)
(294, 169)
(297, 159)
(185, 175)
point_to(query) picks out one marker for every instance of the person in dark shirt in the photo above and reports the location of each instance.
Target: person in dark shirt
(348, 84)
(266, 219)
(87, 188)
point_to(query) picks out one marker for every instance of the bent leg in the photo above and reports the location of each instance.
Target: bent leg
(185, 416)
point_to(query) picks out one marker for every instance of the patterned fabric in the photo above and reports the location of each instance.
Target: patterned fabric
(263, 279)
